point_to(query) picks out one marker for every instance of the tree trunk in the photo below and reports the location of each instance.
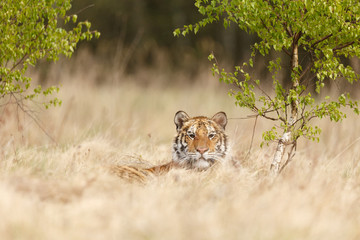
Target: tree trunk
(286, 137)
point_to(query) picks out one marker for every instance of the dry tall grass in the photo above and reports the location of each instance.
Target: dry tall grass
(64, 191)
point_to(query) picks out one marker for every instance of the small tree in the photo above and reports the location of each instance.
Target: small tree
(326, 32)
(31, 30)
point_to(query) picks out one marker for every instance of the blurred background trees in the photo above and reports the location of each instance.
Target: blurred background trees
(139, 33)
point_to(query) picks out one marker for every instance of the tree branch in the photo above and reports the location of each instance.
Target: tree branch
(321, 40)
(19, 62)
(83, 9)
(290, 156)
(306, 70)
(286, 51)
(284, 23)
(343, 46)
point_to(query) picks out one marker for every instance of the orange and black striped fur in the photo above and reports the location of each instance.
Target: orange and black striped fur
(200, 143)
(132, 173)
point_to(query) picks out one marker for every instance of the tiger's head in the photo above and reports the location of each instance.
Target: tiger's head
(200, 141)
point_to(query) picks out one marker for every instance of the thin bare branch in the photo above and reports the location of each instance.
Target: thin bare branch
(85, 8)
(306, 70)
(274, 110)
(19, 104)
(252, 137)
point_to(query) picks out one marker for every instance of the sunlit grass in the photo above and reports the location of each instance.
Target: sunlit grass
(63, 189)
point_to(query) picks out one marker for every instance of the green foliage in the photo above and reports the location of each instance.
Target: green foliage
(326, 33)
(33, 30)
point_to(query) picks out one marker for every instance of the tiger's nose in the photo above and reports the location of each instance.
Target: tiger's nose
(202, 150)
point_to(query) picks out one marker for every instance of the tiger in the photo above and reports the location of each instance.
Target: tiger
(200, 143)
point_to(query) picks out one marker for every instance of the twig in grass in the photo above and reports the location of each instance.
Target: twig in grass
(252, 137)
(28, 113)
(347, 148)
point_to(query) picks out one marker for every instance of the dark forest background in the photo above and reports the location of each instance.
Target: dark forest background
(139, 33)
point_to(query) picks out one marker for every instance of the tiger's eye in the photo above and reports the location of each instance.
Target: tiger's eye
(211, 135)
(191, 135)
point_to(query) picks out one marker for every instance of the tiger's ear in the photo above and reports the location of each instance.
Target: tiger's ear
(180, 118)
(221, 119)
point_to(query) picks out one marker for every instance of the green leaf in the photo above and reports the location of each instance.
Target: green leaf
(176, 32)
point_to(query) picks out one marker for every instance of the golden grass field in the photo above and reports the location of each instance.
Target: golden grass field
(64, 190)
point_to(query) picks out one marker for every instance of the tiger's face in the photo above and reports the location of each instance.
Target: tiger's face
(200, 141)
